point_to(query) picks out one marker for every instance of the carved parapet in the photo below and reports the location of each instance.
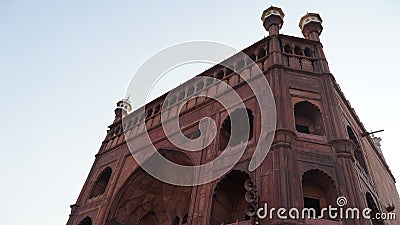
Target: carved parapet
(343, 148)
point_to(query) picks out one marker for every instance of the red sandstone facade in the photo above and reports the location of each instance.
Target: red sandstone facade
(318, 154)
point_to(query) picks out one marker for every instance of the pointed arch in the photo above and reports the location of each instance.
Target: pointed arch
(308, 118)
(319, 190)
(298, 51)
(101, 183)
(86, 221)
(235, 136)
(228, 203)
(288, 49)
(143, 199)
(261, 53)
(358, 154)
(307, 52)
(371, 203)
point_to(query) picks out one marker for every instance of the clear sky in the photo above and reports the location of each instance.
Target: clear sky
(64, 65)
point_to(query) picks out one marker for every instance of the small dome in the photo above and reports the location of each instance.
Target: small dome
(124, 104)
(272, 11)
(308, 18)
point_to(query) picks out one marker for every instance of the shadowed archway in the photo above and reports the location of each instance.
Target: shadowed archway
(144, 200)
(228, 204)
(319, 191)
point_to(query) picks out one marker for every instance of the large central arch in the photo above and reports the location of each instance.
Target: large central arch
(144, 200)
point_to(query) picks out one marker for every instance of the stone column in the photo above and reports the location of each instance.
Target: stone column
(281, 184)
(347, 178)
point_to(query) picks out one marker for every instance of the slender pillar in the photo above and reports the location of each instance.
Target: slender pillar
(347, 178)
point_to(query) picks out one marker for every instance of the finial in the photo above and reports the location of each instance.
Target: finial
(272, 19)
(311, 26)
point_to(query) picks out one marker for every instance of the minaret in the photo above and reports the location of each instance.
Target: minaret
(281, 156)
(311, 27)
(123, 108)
(272, 19)
(377, 143)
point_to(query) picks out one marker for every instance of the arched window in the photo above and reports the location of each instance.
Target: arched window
(308, 118)
(318, 192)
(157, 109)
(181, 95)
(352, 136)
(165, 104)
(240, 64)
(358, 154)
(173, 99)
(297, 51)
(253, 57)
(220, 75)
(209, 81)
(229, 204)
(200, 85)
(86, 221)
(190, 90)
(101, 183)
(149, 113)
(229, 70)
(261, 53)
(375, 210)
(236, 134)
(307, 52)
(288, 49)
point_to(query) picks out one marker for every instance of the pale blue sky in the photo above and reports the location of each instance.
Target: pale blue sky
(64, 64)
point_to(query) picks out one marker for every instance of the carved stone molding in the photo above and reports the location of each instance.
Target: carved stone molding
(343, 148)
(283, 138)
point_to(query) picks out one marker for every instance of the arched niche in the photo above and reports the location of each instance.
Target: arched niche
(145, 200)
